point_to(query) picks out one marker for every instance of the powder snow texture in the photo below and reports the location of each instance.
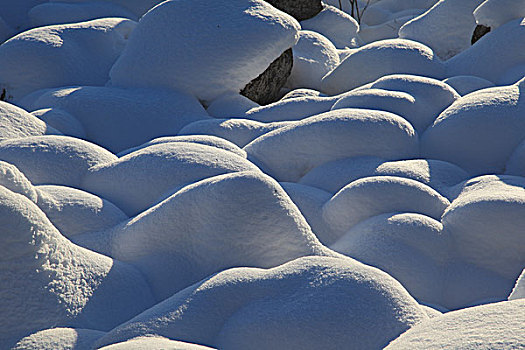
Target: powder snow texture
(138, 180)
(465, 84)
(62, 121)
(73, 211)
(371, 196)
(290, 152)
(47, 281)
(493, 326)
(479, 131)
(208, 54)
(497, 50)
(309, 303)
(61, 55)
(121, 118)
(14, 180)
(60, 339)
(238, 131)
(377, 59)
(52, 159)
(61, 13)
(16, 122)
(339, 27)
(446, 28)
(335, 175)
(313, 57)
(519, 289)
(154, 342)
(494, 13)
(239, 219)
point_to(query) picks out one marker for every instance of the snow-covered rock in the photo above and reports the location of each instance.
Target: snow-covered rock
(465, 84)
(60, 339)
(14, 180)
(154, 343)
(230, 105)
(494, 13)
(309, 303)
(62, 121)
(299, 9)
(16, 123)
(209, 54)
(61, 55)
(290, 152)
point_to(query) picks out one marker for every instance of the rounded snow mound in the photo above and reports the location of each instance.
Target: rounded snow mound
(59, 339)
(308, 303)
(239, 219)
(138, 180)
(492, 326)
(229, 105)
(465, 84)
(154, 342)
(371, 196)
(516, 163)
(62, 121)
(290, 152)
(48, 281)
(222, 49)
(494, 13)
(62, 55)
(384, 57)
(122, 118)
(16, 122)
(518, 292)
(412, 248)
(14, 180)
(59, 160)
(479, 131)
(73, 211)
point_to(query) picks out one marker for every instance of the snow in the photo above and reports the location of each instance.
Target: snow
(230, 104)
(14, 180)
(60, 339)
(61, 120)
(330, 309)
(465, 84)
(61, 55)
(154, 342)
(199, 60)
(16, 123)
(494, 13)
(518, 292)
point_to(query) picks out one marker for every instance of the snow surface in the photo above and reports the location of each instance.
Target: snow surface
(493, 13)
(60, 339)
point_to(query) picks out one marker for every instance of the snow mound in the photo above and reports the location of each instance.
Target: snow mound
(239, 219)
(73, 211)
(446, 28)
(309, 303)
(389, 29)
(230, 105)
(313, 57)
(516, 163)
(61, 55)
(14, 180)
(497, 50)
(377, 59)
(208, 55)
(290, 152)
(53, 159)
(207, 140)
(371, 196)
(339, 27)
(153, 343)
(519, 289)
(138, 7)
(16, 122)
(493, 326)
(381, 11)
(48, 281)
(61, 13)
(479, 131)
(62, 121)
(238, 131)
(494, 13)
(121, 118)
(138, 180)
(335, 175)
(412, 248)
(60, 339)
(486, 221)
(302, 93)
(465, 84)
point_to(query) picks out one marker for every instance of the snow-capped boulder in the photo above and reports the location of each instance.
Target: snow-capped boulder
(290, 152)
(446, 27)
(47, 281)
(228, 45)
(518, 292)
(239, 219)
(299, 9)
(465, 84)
(302, 92)
(118, 118)
(494, 13)
(375, 195)
(493, 326)
(309, 303)
(54, 159)
(230, 105)
(16, 123)
(62, 121)
(375, 60)
(73, 211)
(62, 55)
(313, 57)
(389, 29)
(60, 339)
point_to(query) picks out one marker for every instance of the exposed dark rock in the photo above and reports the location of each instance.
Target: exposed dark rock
(300, 9)
(266, 87)
(479, 32)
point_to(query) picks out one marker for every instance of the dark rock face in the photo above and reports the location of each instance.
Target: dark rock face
(265, 88)
(299, 9)
(479, 32)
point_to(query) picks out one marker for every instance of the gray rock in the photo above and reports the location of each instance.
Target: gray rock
(266, 87)
(300, 9)
(479, 31)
